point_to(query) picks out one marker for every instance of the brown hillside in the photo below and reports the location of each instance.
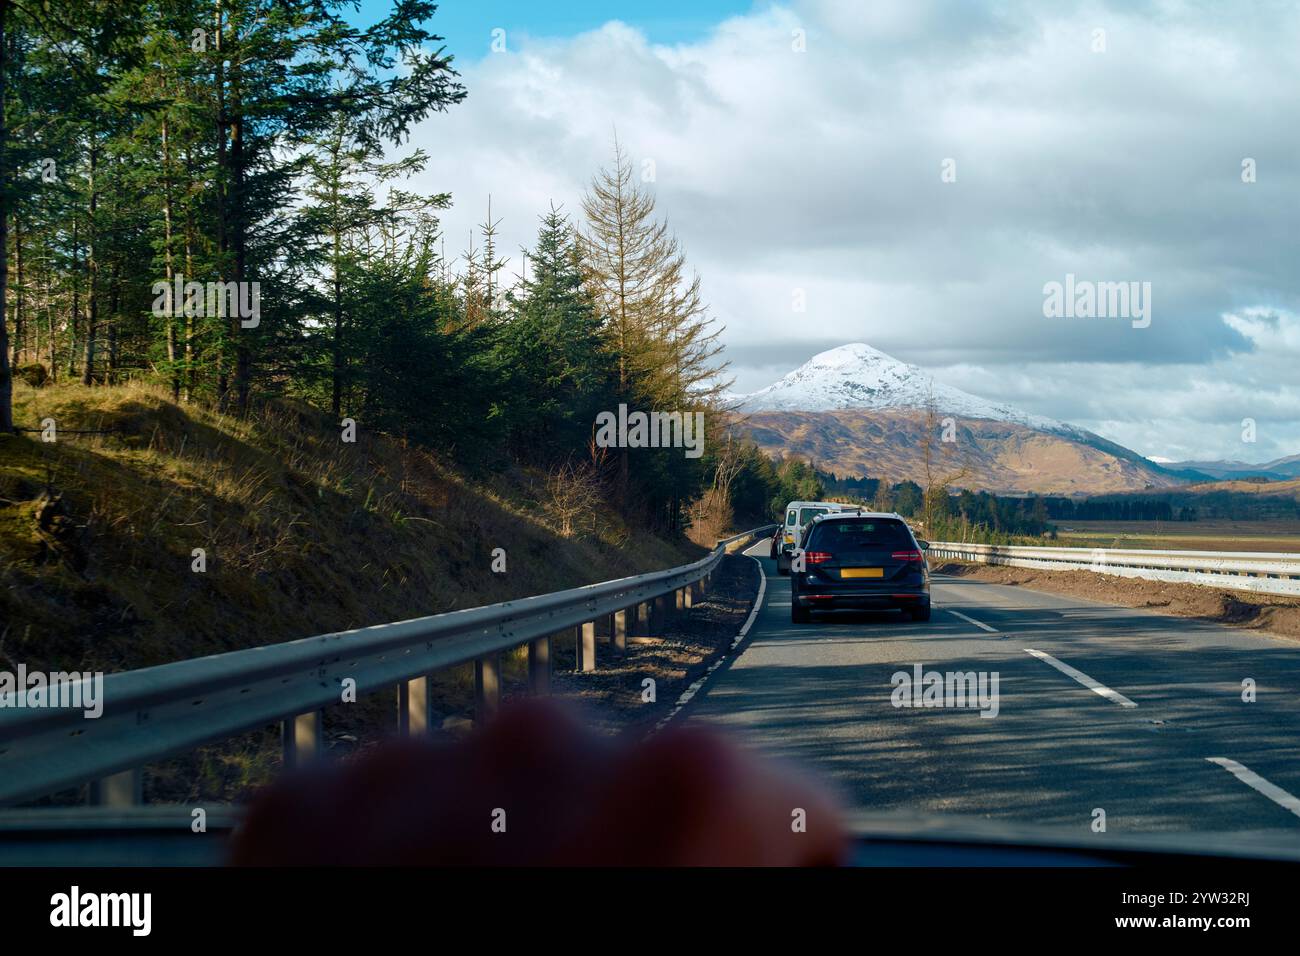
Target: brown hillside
(997, 456)
(1271, 489)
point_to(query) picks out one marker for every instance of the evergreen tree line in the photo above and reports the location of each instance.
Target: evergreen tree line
(985, 518)
(1118, 509)
(766, 486)
(993, 519)
(981, 517)
(256, 144)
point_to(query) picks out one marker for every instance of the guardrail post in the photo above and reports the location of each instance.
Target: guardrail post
(487, 688)
(680, 596)
(620, 627)
(414, 707)
(587, 646)
(539, 666)
(301, 738)
(641, 625)
(124, 789)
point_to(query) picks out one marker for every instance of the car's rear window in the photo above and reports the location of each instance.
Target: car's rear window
(860, 535)
(807, 514)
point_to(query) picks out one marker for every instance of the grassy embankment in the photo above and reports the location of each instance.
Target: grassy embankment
(303, 534)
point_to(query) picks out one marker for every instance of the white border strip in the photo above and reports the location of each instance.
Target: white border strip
(1111, 695)
(689, 693)
(1253, 780)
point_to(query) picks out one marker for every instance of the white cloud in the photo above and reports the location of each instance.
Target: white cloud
(820, 171)
(1174, 411)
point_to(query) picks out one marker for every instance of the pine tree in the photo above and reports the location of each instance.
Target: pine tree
(342, 173)
(665, 344)
(264, 111)
(553, 347)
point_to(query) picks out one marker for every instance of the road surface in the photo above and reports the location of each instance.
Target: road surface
(1138, 714)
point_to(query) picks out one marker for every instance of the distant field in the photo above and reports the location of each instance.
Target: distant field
(1210, 535)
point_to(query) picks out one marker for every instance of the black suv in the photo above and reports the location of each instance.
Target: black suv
(859, 561)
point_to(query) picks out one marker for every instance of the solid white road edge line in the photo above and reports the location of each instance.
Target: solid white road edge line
(1082, 678)
(971, 620)
(1253, 780)
(689, 693)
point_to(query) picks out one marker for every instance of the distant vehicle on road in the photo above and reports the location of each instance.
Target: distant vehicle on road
(797, 516)
(860, 561)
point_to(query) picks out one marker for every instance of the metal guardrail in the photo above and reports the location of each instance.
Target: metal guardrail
(1262, 572)
(158, 712)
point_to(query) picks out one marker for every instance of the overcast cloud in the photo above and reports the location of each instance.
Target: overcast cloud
(820, 171)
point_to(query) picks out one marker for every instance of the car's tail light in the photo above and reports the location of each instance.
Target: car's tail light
(816, 557)
(907, 556)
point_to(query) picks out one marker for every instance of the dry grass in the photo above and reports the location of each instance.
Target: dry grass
(303, 534)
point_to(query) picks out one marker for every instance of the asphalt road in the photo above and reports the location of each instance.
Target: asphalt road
(1152, 701)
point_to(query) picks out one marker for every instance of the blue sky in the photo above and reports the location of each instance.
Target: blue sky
(800, 151)
(468, 24)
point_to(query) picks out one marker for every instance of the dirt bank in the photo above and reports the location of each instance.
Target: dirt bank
(1262, 612)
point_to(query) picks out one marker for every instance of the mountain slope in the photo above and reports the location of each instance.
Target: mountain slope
(994, 456)
(854, 410)
(1282, 469)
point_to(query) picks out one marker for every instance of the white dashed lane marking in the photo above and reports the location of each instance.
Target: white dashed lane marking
(970, 620)
(1253, 780)
(1092, 685)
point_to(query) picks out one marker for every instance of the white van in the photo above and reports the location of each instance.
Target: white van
(798, 514)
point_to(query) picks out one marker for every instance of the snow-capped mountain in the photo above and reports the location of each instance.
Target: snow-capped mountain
(856, 410)
(858, 376)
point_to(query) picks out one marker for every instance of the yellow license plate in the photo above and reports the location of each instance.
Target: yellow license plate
(862, 572)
